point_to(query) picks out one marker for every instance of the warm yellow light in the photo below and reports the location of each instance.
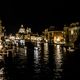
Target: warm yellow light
(17, 37)
(12, 37)
(72, 32)
(58, 39)
(1, 46)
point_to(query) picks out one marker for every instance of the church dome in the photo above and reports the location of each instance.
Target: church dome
(22, 29)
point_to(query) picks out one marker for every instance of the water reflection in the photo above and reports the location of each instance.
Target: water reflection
(41, 61)
(36, 55)
(58, 61)
(46, 53)
(58, 56)
(37, 51)
(1, 68)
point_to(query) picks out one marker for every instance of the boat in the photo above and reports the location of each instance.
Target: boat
(71, 49)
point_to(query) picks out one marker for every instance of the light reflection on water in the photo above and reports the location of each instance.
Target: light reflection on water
(57, 55)
(37, 51)
(2, 73)
(1, 69)
(46, 53)
(58, 61)
(36, 55)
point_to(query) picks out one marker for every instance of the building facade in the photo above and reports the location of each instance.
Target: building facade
(54, 35)
(71, 33)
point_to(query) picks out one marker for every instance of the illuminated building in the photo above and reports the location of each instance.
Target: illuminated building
(24, 33)
(53, 35)
(66, 34)
(21, 32)
(11, 37)
(71, 33)
(28, 30)
(34, 37)
(58, 37)
(17, 37)
(45, 34)
(28, 34)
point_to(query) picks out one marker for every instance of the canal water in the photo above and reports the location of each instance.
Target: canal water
(42, 61)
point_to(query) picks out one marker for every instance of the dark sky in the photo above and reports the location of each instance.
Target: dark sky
(37, 14)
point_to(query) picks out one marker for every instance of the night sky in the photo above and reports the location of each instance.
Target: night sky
(37, 14)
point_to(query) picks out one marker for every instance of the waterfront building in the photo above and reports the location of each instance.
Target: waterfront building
(45, 33)
(24, 33)
(17, 36)
(21, 32)
(66, 34)
(28, 30)
(28, 34)
(71, 33)
(34, 37)
(51, 34)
